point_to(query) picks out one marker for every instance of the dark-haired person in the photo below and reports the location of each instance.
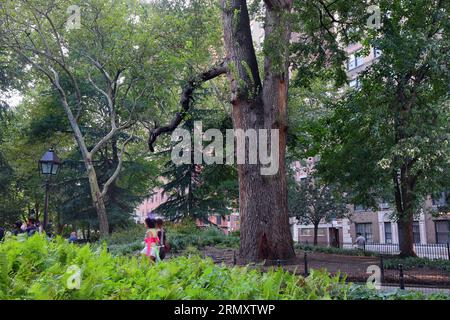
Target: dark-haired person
(163, 245)
(17, 228)
(151, 240)
(31, 227)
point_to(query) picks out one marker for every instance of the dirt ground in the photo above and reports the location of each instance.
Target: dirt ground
(354, 267)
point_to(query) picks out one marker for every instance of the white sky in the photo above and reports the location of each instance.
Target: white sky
(13, 98)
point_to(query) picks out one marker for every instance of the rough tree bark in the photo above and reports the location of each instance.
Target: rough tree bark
(265, 232)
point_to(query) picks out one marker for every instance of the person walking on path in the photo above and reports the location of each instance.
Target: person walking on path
(360, 241)
(152, 242)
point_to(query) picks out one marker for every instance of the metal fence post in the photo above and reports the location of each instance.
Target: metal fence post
(448, 250)
(234, 257)
(402, 279)
(381, 269)
(306, 265)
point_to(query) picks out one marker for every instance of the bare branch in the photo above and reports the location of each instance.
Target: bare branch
(103, 92)
(73, 122)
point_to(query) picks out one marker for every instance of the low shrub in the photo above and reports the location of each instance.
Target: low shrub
(179, 236)
(185, 226)
(332, 250)
(130, 234)
(201, 238)
(38, 268)
(413, 263)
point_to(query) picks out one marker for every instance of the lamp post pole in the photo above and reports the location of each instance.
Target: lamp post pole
(48, 165)
(47, 189)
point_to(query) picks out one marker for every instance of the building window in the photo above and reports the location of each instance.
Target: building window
(355, 83)
(440, 199)
(309, 232)
(388, 232)
(384, 205)
(416, 232)
(306, 232)
(354, 60)
(218, 220)
(442, 231)
(360, 207)
(365, 229)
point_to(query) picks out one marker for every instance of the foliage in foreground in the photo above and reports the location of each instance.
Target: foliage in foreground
(40, 269)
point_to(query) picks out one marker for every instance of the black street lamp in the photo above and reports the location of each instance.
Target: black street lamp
(48, 166)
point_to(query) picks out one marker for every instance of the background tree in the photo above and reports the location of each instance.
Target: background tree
(389, 139)
(259, 101)
(100, 71)
(196, 190)
(265, 232)
(39, 122)
(313, 202)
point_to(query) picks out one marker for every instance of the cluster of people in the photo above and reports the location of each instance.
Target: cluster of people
(29, 228)
(156, 245)
(155, 240)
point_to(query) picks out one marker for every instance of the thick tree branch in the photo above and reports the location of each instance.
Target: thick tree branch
(118, 168)
(185, 101)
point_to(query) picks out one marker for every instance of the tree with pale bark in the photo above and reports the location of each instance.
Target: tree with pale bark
(99, 70)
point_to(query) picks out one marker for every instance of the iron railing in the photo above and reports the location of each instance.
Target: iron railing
(430, 251)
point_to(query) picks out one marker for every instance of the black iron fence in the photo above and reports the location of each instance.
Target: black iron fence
(430, 251)
(394, 272)
(388, 269)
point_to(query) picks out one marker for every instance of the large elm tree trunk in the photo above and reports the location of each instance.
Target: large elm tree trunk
(257, 104)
